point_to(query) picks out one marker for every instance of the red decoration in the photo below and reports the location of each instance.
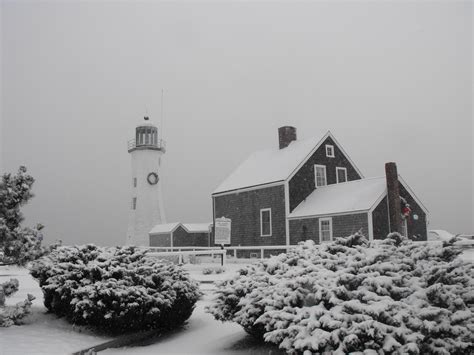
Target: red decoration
(406, 211)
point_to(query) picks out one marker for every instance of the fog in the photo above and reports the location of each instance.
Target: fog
(391, 80)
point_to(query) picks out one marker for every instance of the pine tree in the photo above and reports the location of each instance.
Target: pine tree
(18, 245)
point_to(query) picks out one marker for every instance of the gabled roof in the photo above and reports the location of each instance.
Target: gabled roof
(171, 227)
(196, 227)
(351, 196)
(273, 165)
(164, 228)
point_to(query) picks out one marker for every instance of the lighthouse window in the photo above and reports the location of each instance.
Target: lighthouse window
(134, 203)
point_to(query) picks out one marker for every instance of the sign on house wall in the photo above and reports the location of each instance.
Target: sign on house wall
(222, 231)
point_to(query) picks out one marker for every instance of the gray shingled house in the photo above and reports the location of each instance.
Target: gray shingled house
(175, 235)
(311, 189)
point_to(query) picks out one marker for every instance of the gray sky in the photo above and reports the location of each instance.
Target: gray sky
(391, 80)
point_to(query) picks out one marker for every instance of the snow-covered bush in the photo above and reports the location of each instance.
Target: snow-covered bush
(219, 270)
(210, 270)
(390, 296)
(207, 271)
(10, 315)
(115, 289)
(18, 245)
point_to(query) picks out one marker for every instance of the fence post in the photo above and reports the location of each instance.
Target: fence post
(224, 254)
(235, 253)
(261, 253)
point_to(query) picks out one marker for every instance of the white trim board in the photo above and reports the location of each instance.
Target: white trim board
(287, 212)
(328, 215)
(370, 226)
(250, 188)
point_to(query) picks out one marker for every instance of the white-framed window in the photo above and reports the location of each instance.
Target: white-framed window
(329, 151)
(325, 229)
(266, 222)
(134, 203)
(320, 175)
(134, 182)
(341, 174)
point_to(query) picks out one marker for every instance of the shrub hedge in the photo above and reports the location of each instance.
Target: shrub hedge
(115, 289)
(392, 296)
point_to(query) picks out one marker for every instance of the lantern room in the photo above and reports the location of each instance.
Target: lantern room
(146, 137)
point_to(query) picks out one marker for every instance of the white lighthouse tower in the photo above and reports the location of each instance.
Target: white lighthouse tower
(146, 201)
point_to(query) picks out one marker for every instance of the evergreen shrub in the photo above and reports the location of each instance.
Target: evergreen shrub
(392, 296)
(115, 289)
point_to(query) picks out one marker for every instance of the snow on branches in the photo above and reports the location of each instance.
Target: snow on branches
(115, 289)
(10, 315)
(18, 245)
(389, 296)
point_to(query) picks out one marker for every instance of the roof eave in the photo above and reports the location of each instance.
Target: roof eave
(251, 187)
(329, 214)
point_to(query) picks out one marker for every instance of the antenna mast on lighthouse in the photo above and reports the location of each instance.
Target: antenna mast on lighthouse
(162, 103)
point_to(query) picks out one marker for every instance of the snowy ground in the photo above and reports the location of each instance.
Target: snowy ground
(203, 335)
(43, 333)
(46, 334)
(468, 254)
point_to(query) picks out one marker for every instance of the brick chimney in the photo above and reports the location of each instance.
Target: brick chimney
(393, 196)
(286, 135)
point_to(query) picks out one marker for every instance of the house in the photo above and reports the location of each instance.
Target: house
(311, 189)
(177, 234)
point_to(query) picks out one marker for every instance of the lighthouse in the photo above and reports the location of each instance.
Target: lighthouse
(146, 201)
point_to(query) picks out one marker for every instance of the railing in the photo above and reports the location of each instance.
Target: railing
(208, 250)
(160, 144)
(190, 250)
(180, 254)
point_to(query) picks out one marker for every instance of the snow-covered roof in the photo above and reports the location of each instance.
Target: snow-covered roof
(196, 227)
(351, 196)
(164, 228)
(268, 166)
(143, 123)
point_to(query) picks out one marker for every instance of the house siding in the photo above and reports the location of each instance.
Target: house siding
(303, 182)
(243, 208)
(181, 238)
(342, 226)
(416, 228)
(380, 221)
(160, 240)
